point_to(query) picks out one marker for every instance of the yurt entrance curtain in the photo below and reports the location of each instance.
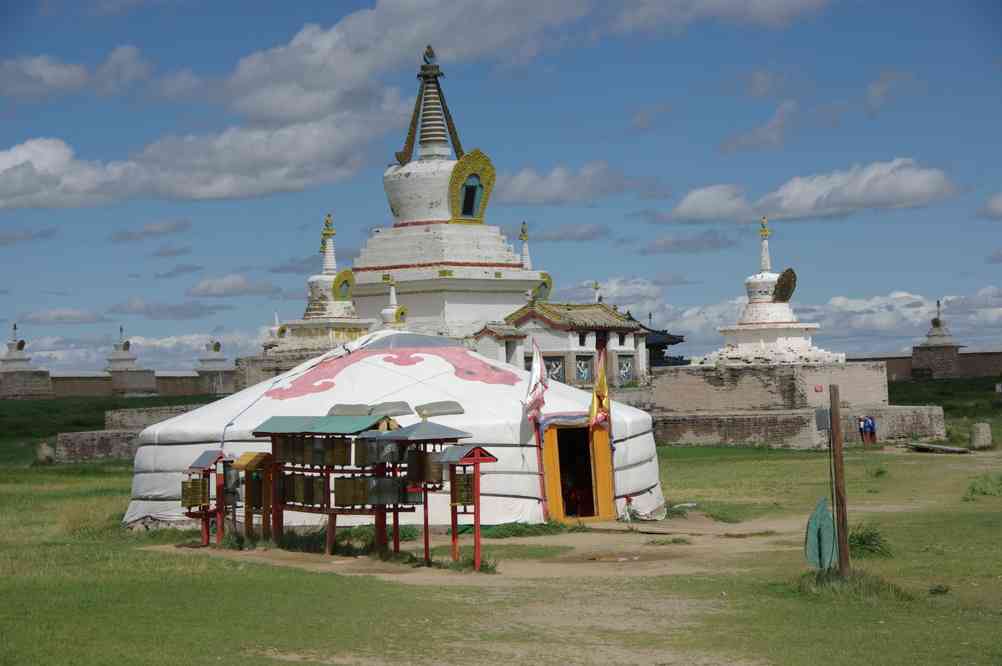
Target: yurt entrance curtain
(572, 454)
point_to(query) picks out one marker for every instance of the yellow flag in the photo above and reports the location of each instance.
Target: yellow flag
(599, 411)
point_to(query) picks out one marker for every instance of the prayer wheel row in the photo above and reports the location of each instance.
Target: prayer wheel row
(423, 466)
(362, 491)
(303, 489)
(302, 450)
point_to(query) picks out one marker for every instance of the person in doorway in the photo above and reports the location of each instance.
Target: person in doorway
(861, 424)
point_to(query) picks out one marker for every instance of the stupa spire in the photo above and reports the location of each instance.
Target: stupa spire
(327, 246)
(431, 123)
(524, 237)
(392, 314)
(765, 261)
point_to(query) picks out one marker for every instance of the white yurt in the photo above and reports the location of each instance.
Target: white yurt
(582, 476)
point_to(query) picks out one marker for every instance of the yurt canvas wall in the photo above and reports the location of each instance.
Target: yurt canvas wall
(399, 366)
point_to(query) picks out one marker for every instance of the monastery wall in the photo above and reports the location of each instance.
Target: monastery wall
(980, 364)
(935, 362)
(80, 386)
(139, 418)
(25, 384)
(725, 389)
(774, 428)
(179, 385)
(859, 383)
(95, 445)
(133, 382)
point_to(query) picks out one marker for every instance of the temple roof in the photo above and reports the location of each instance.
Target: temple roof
(573, 316)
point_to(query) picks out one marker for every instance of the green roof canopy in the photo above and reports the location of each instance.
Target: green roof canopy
(317, 425)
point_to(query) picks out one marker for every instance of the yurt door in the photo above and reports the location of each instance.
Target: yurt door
(578, 472)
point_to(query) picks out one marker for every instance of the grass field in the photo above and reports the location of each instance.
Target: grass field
(76, 588)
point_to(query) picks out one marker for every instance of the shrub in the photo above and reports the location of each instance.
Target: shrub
(858, 585)
(986, 485)
(233, 540)
(867, 541)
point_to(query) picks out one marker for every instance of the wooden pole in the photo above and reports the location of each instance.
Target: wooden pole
(476, 516)
(248, 507)
(396, 520)
(266, 503)
(380, 514)
(455, 514)
(205, 511)
(277, 502)
(427, 537)
(841, 518)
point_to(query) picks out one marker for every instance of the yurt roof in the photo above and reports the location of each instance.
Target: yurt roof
(390, 366)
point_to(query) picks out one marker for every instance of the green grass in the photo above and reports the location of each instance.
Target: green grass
(505, 551)
(964, 401)
(513, 530)
(866, 540)
(26, 422)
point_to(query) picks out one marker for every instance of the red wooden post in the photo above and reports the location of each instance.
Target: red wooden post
(396, 520)
(455, 516)
(476, 516)
(428, 548)
(277, 506)
(326, 505)
(220, 505)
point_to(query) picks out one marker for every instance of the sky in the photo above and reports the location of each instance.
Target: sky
(166, 165)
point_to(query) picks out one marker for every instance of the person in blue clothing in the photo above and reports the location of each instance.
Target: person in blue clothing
(870, 426)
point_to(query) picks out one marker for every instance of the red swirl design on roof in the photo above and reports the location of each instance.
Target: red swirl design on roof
(321, 377)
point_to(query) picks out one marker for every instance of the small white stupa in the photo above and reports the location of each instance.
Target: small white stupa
(212, 359)
(16, 359)
(330, 318)
(768, 331)
(122, 357)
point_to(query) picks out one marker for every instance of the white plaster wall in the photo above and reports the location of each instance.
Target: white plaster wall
(419, 190)
(859, 383)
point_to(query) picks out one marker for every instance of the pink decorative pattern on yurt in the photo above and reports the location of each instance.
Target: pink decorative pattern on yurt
(466, 366)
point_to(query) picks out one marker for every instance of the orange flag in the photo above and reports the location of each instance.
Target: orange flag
(599, 411)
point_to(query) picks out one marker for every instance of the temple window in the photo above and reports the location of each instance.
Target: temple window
(582, 339)
(622, 339)
(472, 191)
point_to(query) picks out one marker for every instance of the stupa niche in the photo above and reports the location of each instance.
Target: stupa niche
(768, 331)
(452, 271)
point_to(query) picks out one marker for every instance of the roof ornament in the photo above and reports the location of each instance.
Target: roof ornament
(524, 237)
(598, 293)
(765, 261)
(431, 123)
(327, 246)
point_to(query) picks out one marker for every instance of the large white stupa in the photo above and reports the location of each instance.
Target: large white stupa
(768, 331)
(452, 271)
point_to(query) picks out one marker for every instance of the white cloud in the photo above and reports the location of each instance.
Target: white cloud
(233, 284)
(653, 15)
(174, 352)
(716, 202)
(706, 241)
(152, 230)
(123, 67)
(770, 135)
(168, 311)
(565, 186)
(899, 183)
(993, 207)
(179, 85)
(61, 316)
(38, 77)
(179, 270)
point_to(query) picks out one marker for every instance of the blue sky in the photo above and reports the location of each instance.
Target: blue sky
(166, 164)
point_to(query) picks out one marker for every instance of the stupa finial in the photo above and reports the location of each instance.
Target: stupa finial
(524, 237)
(327, 246)
(431, 123)
(765, 261)
(598, 293)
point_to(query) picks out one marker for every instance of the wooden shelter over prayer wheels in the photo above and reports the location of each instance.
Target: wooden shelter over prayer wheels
(257, 469)
(423, 443)
(464, 484)
(195, 492)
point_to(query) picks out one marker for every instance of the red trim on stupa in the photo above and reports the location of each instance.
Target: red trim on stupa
(472, 264)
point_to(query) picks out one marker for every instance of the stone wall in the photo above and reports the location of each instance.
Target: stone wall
(251, 370)
(25, 384)
(772, 428)
(859, 383)
(217, 382)
(81, 386)
(179, 385)
(139, 418)
(935, 362)
(980, 364)
(95, 445)
(133, 382)
(897, 422)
